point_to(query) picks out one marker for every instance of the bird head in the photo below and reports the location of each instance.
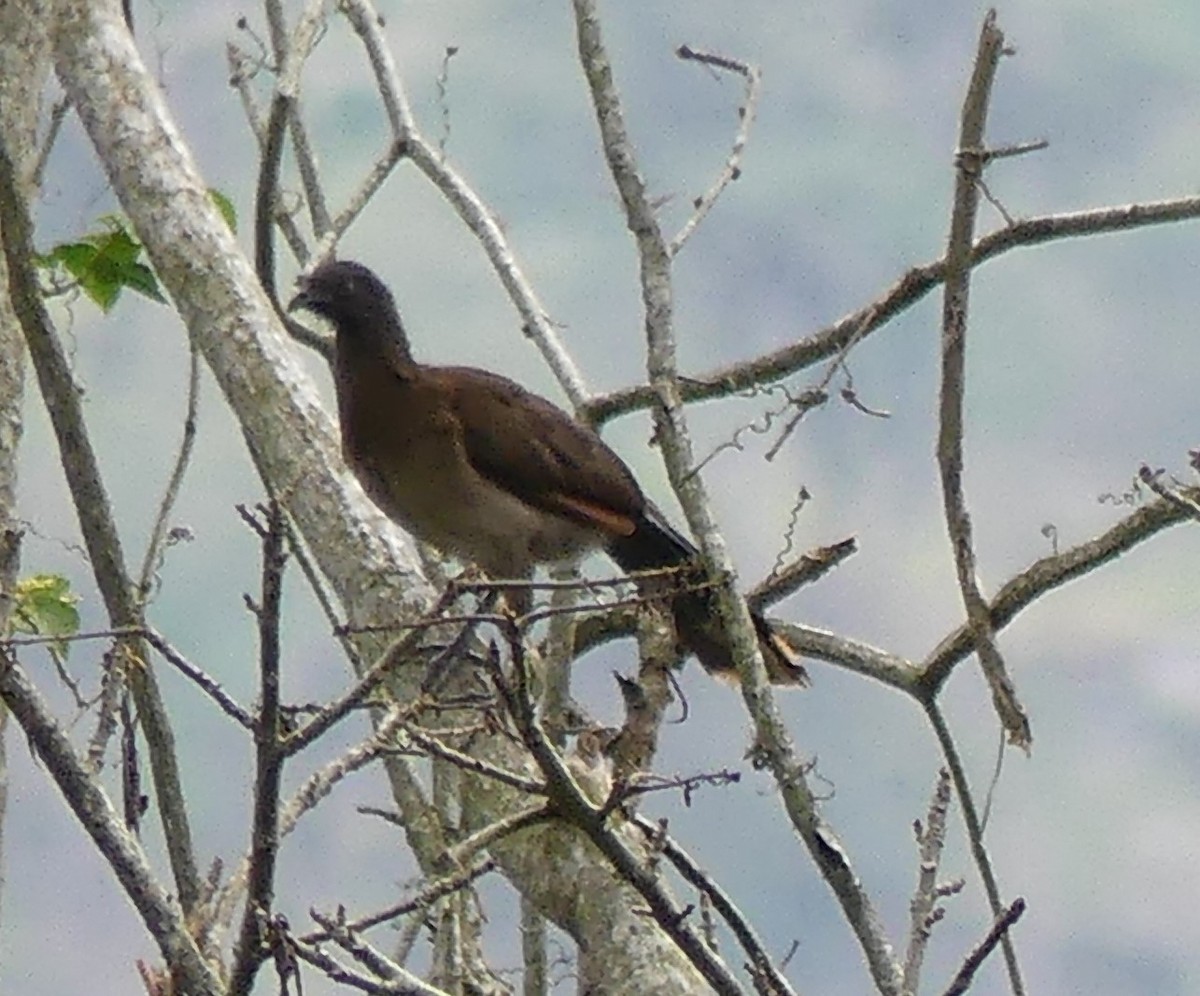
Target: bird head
(348, 295)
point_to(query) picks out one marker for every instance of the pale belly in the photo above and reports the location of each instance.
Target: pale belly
(463, 514)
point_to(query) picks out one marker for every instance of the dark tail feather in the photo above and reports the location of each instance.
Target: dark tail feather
(654, 546)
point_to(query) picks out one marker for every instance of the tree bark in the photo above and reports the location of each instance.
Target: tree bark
(24, 68)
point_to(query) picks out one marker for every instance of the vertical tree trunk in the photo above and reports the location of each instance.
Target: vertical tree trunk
(24, 67)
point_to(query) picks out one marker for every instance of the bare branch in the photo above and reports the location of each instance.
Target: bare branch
(429, 160)
(1004, 922)
(429, 894)
(787, 579)
(348, 977)
(953, 384)
(376, 962)
(1049, 573)
(242, 69)
(774, 744)
(115, 633)
(767, 977)
(203, 680)
(983, 862)
(249, 951)
(477, 765)
(62, 399)
(265, 218)
(485, 837)
(160, 913)
(902, 295)
(655, 275)
(923, 910)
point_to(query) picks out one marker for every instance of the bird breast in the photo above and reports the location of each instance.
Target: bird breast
(416, 470)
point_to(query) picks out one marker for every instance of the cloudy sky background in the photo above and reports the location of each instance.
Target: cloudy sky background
(1082, 362)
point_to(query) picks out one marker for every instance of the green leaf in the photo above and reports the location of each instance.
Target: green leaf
(43, 605)
(225, 206)
(104, 263)
(140, 278)
(81, 260)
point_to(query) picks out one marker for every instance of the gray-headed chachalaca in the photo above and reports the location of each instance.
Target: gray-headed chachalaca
(477, 466)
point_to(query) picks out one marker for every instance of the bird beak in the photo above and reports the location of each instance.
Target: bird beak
(302, 301)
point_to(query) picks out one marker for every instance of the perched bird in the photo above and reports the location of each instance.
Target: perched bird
(480, 468)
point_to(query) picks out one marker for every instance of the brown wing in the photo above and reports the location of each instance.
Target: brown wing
(540, 454)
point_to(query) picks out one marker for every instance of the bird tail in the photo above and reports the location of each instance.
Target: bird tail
(655, 545)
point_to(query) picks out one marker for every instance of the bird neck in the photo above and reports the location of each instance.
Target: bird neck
(374, 339)
(370, 360)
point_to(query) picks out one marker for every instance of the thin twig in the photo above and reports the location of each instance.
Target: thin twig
(1004, 922)
(132, 800)
(443, 98)
(631, 751)
(298, 551)
(341, 707)
(342, 975)
(116, 632)
(309, 795)
(249, 952)
(156, 548)
(306, 163)
(794, 406)
(993, 782)
(436, 748)
(733, 163)
(983, 861)
(1016, 149)
(485, 837)
(1153, 480)
(264, 227)
(291, 52)
(923, 911)
(242, 69)
(58, 114)
(209, 685)
(429, 894)
(787, 579)
(112, 684)
(476, 765)
(376, 962)
(762, 966)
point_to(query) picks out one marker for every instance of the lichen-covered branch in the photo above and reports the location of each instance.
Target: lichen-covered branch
(96, 521)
